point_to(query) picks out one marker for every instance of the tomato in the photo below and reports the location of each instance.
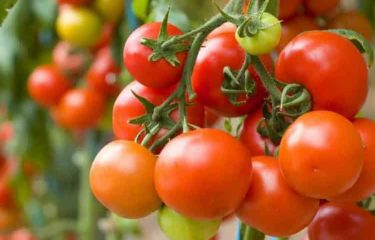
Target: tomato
(252, 139)
(295, 26)
(110, 10)
(271, 206)
(265, 40)
(178, 227)
(22, 234)
(46, 85)
(352, 20)
(321, 154)
(157, 74)
(106, 36)
(6, 132)
(225, 28)
(216, 54)
(79, 109)
(342, 221)
(211, 118)
(203, 174)
(128, 107)
(289, 8)
(103, 73)
(320, 7)
(10, 219)
(365, 186)
(122, 179)
(74, 2)
(78, 25)
(322, 61)
(6, 195)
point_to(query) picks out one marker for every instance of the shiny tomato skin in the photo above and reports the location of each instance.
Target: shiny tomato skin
(323, 61)
(225, 28)
(79, 109)
(103, 73)
(271, 206)
(122, 179)
(157, 74)
(289, 8)
(208, 183)
(207, 78)
(321, 154)
(46, 85)
(342, 221)
(252, 139)
(320, 7)
(365, 186)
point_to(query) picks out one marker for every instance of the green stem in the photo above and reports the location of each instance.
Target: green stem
(253, 234)
(268, 81)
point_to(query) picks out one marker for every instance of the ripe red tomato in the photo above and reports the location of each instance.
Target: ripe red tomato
(209, 182)
(46, 85)
(225, 28)
(322, 61)
(252, 139)
(342, 221)
(365, 186)
(157, 74)
(320, 7)
(103, 73)
(321, 154)
(271, 206)
(289, 8)
(79, 109)
(208, 77)
(127, 107)
(122, 179)
(74, 2)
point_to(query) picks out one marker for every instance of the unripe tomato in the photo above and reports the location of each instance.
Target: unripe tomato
(122, 179)
(74, 2)
(157, 74)
(110, 10)
(265, 40)
(321, 154)
(342, 221)
(178, 227)
(322, 61)
(271, 206)
(320, 7)
(289, 8)
(46, 85)
(78, 25)
(211, 181)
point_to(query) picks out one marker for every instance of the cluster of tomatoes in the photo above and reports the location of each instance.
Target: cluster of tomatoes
(83, 74)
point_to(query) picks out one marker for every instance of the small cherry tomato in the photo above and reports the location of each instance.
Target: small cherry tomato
(225, 28)
(46, 85)
(122, 179)
(289, 8)
(156, 74)
(320, 7)
(110, 10)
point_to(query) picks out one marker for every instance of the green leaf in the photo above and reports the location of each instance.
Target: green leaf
(141, 8)
(5, 5)
(273, 7)
(359, 41)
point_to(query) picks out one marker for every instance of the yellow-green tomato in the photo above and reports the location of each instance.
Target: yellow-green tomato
(265, 40)
(178, 227)
(110, 10)
(78, 25)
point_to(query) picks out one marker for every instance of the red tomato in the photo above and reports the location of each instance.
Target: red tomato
(106, 36)
(271, 206)
(323, 61)
(6, 193)
(252, 139)
(74, 2)
(225, 28)
(342, 221)
(46, 85)
(122, 179)
(79, 109)
(320, 7)
(209, 182)
(365, 186)
(321, 154)
(6, 132)
(103, 73)
(208, 76)
(127, 107)
(10, 219)
(211, 118)
(289, 8)
(157, 74)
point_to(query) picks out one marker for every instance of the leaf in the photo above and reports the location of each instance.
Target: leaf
(273, 7)
(5, 5)
(140, 8)
(228, 125)
(359, 41)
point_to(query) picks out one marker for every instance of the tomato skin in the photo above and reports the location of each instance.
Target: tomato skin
(79, 109)
(271, 206)
(225, 28)
(305, 61)
(157, 74)
(252, 139)
(46, 85)
(353, 20)
(208, 76)
(342, 221)
(321, 154)
(320, 7)
(365, 186)
(289, 8)
(127, 162)
(103, 73)
(218, 170)
(110, 10)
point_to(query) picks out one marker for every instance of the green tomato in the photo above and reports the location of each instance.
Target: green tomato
(178, 227)
(265, 40)
(79, 26)
(110, 10)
